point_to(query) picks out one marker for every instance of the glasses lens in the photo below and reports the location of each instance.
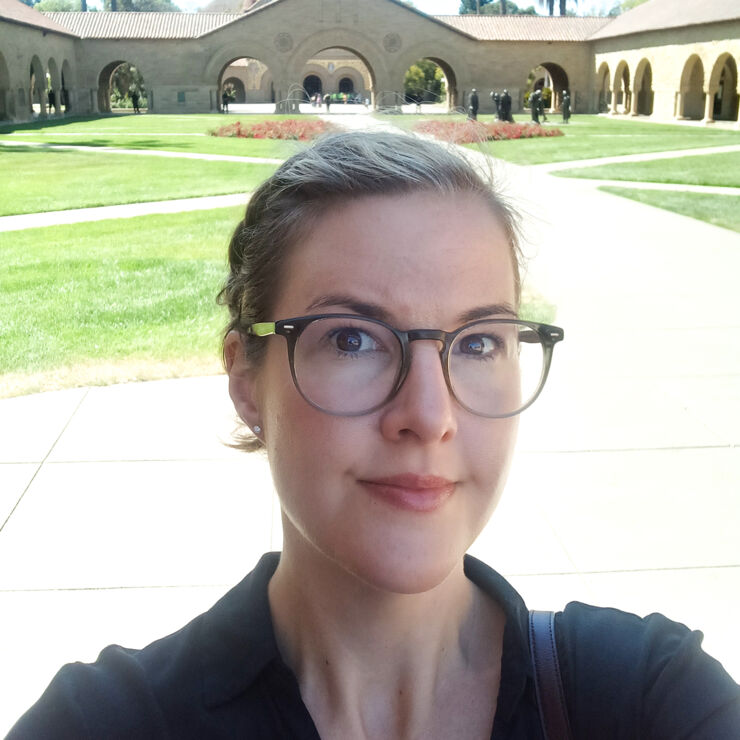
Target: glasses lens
(496, 368)
(346, 365)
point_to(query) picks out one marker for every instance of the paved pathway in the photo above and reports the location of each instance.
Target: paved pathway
(127, 210)
(122, 514)
(643, 157)
(143, 152)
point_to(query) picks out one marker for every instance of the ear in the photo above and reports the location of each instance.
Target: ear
(242, 380)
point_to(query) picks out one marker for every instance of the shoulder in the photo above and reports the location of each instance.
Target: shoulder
(630, 676)
(124, 694)
(168, 688)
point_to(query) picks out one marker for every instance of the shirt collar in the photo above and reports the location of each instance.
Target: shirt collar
(237, 640)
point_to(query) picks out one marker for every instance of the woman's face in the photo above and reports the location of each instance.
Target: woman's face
(394, 497)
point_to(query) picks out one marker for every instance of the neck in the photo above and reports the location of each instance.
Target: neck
(374, 662)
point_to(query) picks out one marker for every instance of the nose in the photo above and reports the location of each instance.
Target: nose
(423, 409)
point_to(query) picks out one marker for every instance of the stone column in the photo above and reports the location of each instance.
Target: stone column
(709, 106)
(634, 102)
(615, 97)
(679, 105)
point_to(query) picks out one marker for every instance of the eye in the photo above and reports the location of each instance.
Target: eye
(478, 344)
(352, 340)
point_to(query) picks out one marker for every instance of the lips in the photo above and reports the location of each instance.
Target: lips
(411, 492)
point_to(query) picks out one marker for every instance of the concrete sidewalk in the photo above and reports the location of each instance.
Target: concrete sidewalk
(125, 515)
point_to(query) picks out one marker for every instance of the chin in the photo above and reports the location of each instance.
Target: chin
(405, 567)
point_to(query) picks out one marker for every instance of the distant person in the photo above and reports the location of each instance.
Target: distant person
(534, 106)
(473, 107)
(327, 101)
(506, 106)
(135, 101)
(566, 107)
(52, 101)
(496, 98)
(224, 102)
(541, 106)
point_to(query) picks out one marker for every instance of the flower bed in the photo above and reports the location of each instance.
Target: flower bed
(473, 132)
(296, 129)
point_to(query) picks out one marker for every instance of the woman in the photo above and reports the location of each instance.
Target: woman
(388, 410)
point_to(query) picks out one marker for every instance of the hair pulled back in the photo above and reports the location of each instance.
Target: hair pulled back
(336, 168)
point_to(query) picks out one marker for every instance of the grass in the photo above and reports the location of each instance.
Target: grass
(152, 131)
(590, 136)
(707, 169)
(720, 210)
(131, 299)
(54, 180)
(102, 300)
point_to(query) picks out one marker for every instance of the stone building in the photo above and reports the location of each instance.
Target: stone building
(654, 60)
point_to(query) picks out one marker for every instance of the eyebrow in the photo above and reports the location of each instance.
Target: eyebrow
(375, 311)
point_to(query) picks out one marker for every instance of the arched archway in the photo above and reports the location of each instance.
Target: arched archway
(431, 80)
(55, 83)
(643, 89)
(723, 88)
(552, 79)
(691, 91)
(245, 80)
(6, 99)
(621, 89)
(117, 82)
(603, 89)
(37, 85)
(346, 85)
(312, 85)
(66, 84)
(236, 88)
(321, 55)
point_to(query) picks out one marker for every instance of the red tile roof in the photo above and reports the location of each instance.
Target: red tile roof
(142, 25)
(659, 14)
(525, 27)
(17, 12)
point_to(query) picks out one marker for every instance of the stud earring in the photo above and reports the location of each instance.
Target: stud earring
(257, 429)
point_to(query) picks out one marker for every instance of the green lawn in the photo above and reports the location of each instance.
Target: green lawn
(589, 136)
(708, 169)
(165, 132)
(139, 292)
(54, 180)
(720, 210)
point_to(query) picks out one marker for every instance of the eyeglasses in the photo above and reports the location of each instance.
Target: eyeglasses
(349, 365)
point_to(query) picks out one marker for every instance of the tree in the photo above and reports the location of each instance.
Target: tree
(141, 6)
(495, 7)
(550, 5)
(126, 79)
(424, 80)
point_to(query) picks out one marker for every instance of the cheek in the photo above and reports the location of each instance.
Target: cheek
(488, 449)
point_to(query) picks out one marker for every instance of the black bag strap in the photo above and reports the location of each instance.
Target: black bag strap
(547, 681)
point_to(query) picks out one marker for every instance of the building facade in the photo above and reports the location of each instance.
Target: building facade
(651, 61)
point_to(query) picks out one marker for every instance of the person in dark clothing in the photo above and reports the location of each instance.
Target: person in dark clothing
(534, 106)
(135, 101)
(565, 107)
(506, 107)
(224, 102)
(496, 99)
(327, 101)
(474, 104)
(383, 376)
(52, 101)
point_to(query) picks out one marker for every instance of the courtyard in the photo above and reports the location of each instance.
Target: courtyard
(628, 466)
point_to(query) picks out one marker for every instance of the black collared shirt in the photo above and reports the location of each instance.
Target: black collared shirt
(221, 676)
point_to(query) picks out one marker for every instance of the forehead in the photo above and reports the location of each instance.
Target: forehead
(421, 256)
